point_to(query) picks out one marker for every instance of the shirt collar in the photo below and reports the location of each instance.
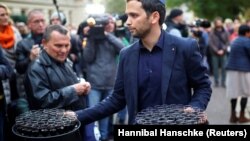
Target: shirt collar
(160, 42)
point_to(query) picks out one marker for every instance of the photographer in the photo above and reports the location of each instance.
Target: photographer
(200, 33)
(176, 24)
(100, 53)
(197, 33)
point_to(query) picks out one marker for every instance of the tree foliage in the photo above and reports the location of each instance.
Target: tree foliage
(202, 8)
(19, 18)
(115, 6)
(213, 8)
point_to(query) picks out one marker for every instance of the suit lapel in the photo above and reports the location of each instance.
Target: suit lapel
(133, 69)
(169, 51)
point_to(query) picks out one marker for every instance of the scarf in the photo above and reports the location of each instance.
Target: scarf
(7, 37)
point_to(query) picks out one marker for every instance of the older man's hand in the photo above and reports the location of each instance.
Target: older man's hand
(82, 88)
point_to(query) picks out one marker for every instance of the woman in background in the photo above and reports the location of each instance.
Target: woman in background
(238, 74)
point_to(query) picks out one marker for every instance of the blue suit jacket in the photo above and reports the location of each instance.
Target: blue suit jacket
(184, 80)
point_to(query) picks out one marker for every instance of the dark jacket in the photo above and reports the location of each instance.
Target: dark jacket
(47, 86)
(5, 68)
(239, 56)
(22, 52)
(184, 80)
(218, 40)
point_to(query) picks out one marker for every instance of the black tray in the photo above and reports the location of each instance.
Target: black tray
(61, 136)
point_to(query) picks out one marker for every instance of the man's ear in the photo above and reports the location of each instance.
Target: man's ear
(155, 17)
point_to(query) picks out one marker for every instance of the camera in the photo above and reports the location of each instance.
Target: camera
(121, 29)
(197, 24)
(202, 23)
(97, 25)
(197, 33)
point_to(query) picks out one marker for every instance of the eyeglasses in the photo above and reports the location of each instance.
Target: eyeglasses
(38, 21)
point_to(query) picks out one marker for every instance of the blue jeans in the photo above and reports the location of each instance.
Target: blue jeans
(94, 97)
(121, 115)
(217, 63)
(205, 62)
(89, 133)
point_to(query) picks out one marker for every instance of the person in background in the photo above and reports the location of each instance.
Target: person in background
(28, 49)
(206, 29)
(23, 29)
(122, 33)
(234, 34)
(5, 72)
(75, 54)
(100, 52)
(175, 23)
(9, 37)
(104, 47)
(238, 74)
(200, 32)
(5, 68)
(158, 69)
(228, 24)
(248, 22)
(218, 45)
(50, 81)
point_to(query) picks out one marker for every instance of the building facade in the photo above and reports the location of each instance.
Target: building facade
(74, 10)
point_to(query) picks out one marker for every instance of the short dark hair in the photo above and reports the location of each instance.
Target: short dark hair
(59, 28)
(243, 29)
(151, 6)
(174, 13)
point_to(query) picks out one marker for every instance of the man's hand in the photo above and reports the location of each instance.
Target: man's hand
(220, 52)
(82, 88)
(202, 116)
(70, 113)
(86, 30)
(34, 53)
(188, 109)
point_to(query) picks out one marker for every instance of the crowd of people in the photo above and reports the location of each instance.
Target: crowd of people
(106, 68)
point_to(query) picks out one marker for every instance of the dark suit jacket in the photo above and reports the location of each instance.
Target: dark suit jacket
(184, 80)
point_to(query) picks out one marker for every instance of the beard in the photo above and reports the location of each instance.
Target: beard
(142, 32)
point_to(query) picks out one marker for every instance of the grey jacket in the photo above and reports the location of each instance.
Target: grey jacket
(100, 57)
(218, 41)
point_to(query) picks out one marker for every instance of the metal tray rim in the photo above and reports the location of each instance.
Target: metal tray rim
(49, 137)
